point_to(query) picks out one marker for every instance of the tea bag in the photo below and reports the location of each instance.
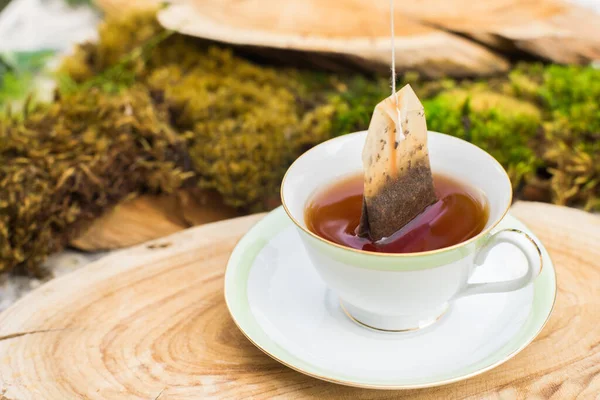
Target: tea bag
(398, 184)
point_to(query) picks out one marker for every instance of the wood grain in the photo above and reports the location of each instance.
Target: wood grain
(434, 37)
(552, 30)
(150, 217)
(358, 29)
(151, 323)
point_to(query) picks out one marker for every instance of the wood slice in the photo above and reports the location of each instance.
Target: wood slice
(355, 28)
(132, 222)
(151, 217)
(118, 7)
(553, 30)
(151, 323)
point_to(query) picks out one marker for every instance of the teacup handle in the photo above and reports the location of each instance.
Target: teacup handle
(528, 247)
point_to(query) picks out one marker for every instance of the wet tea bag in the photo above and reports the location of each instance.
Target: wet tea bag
(398, 184)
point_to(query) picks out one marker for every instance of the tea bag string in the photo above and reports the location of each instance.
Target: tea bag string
(400, 131)
(392, 33)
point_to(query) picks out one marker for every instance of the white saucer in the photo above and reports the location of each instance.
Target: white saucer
(280, 303)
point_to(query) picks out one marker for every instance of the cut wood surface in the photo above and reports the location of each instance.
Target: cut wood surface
(359, 29)
(553, 30)
(433, 37)
(151, 217)
(150, 322)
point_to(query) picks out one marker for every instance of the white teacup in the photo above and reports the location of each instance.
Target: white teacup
(398, 292)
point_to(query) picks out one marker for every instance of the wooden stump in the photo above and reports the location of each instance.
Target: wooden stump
(151, 323)
(350, 29)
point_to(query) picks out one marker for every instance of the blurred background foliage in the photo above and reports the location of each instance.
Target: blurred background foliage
(201, 114)
(540, 121)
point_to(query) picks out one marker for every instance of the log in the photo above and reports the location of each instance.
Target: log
(150, 322)
(357, 31)
(149, 217)
(434, 37)
(551, 30)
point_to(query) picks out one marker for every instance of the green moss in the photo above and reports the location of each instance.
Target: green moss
(246, 126)
(503, 126)
(355, 103)
(120, 43)
(569, 140)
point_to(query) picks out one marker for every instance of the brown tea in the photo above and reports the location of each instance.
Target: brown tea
(460, 214)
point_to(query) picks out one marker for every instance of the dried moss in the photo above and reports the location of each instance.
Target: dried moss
(65, 163)
(572, 151)
(569, 97)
